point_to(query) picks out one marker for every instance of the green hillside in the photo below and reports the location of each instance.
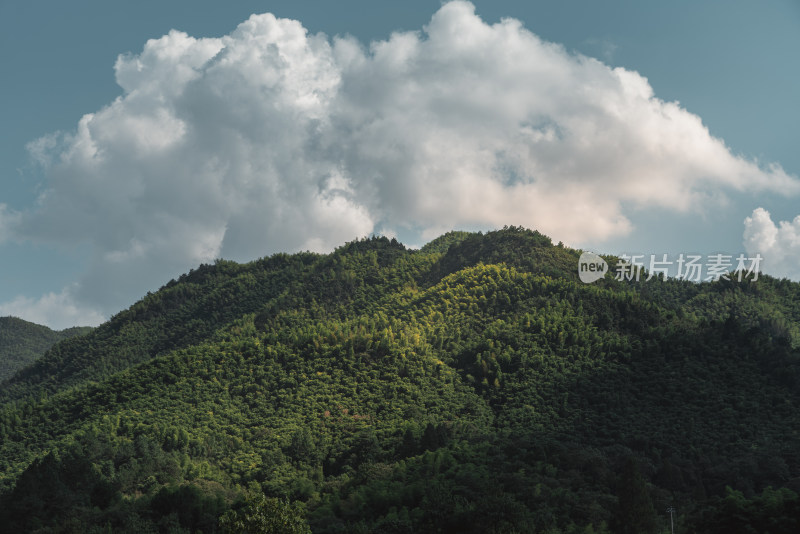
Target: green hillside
(22, 342)
(474, 385)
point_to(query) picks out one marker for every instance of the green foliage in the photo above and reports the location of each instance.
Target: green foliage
(773, 511)
(261, 515)
(635, 513)
(472, 386)
(442, 244)
(22, 342)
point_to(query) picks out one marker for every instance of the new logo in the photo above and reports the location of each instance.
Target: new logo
(591, 267)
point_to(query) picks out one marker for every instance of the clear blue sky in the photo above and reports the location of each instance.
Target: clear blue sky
(733, 64)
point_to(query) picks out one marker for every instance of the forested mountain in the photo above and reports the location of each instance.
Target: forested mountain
(22, 342)
(475, 385)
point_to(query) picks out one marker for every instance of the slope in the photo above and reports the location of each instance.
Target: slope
(478, 387)
(22, 342)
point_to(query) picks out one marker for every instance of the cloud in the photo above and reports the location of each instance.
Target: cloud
(56, 310)
(273, 139)
(8, 220)
(779, 244)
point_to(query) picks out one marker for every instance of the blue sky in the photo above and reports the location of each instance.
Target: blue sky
(460, 121)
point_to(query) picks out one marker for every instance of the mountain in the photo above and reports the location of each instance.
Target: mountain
(22, 342)
(474, 385)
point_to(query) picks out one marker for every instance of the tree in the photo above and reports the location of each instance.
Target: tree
(262, 515)
(635, 512)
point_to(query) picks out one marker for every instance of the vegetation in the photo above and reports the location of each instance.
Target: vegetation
(21, 343)
(474, 385)
(260, 515)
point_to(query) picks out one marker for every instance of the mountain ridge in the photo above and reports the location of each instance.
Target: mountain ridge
(22, 342)
(472, 386)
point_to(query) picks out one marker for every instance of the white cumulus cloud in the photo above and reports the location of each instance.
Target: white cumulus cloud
(273, 139)
(778, 244)
(56, 310)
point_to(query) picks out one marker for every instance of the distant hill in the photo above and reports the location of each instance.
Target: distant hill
(22, 342)
(474, 385)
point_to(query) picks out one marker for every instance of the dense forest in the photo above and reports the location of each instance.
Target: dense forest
(474, 385)
(22, 342)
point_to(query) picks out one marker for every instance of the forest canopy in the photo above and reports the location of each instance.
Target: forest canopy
(474, 385)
